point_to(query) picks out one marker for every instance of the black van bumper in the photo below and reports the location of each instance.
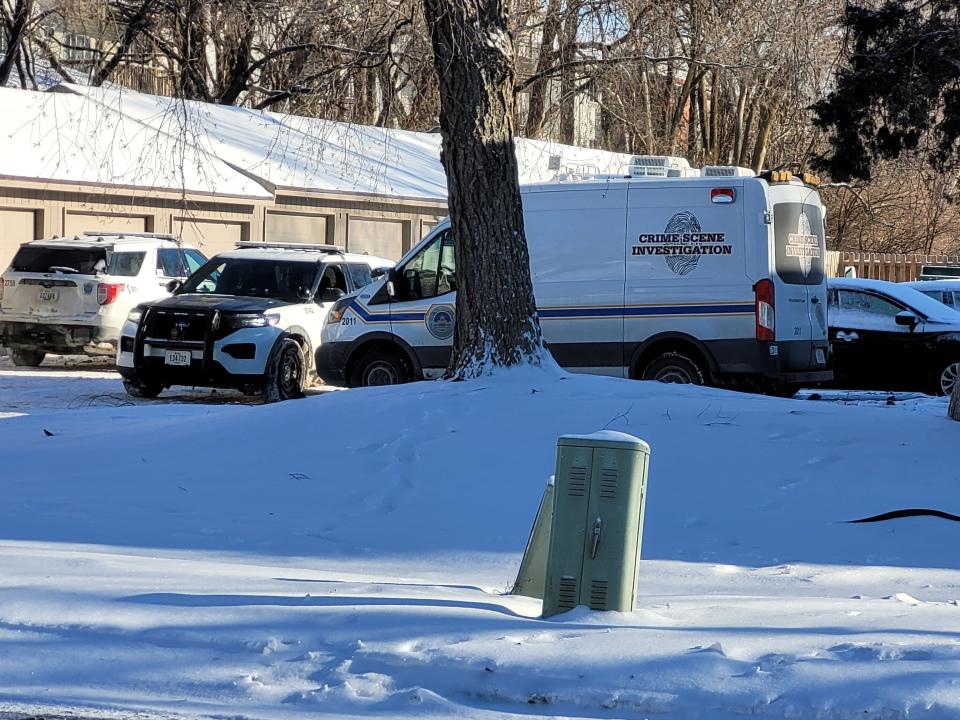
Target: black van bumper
(791, 362)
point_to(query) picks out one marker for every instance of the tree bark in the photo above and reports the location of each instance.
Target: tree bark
(496, 321)
(954, 410)
(15, 32)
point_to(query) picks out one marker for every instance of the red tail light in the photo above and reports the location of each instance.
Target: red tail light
(108, 292)
(766, 325)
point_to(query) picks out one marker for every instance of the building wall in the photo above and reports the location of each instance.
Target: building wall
(378, 225)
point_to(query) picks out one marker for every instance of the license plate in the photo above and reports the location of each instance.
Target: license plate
(177, 357)
(821, 358)
(49, 295)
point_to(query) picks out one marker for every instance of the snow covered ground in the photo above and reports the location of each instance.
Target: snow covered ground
(347, 554)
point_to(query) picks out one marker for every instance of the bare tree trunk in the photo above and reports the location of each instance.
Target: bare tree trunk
(954, 411)
(16, 29)
(496, 321)
(537, 111)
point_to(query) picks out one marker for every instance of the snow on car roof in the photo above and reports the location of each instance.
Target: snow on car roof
(943, 284)
(930, 308)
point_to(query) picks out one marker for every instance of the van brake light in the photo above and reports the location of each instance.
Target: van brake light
(108, 292)
(765, 309)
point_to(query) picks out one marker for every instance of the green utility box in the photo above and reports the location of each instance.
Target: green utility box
(599, 498)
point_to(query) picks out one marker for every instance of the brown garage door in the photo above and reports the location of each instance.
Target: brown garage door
(288, 228)
(79, 223)
(210, 236)
(16, 227)
(383, 238)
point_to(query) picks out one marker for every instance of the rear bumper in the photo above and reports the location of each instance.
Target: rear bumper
(791, 362)
(63, 338)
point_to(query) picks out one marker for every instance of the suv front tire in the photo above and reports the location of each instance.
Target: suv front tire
(140, 389)
(26, 357)
(287, 373)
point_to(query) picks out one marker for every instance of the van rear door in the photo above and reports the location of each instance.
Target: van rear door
(798, 275)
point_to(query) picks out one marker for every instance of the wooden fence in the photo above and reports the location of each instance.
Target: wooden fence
(884, 266)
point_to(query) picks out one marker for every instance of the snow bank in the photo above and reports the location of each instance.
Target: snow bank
(344, 554)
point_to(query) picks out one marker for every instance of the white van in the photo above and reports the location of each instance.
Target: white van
(700, 279)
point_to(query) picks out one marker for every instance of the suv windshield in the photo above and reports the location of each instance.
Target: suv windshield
(276, 279)
(47, 258)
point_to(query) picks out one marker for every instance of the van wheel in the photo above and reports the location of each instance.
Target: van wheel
(672, 367)
(380, 367)
(140, 389)
(287, 373)
(26, 357)
(947, 379)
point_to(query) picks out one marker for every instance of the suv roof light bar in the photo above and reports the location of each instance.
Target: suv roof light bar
(303, 247)
(122, 235)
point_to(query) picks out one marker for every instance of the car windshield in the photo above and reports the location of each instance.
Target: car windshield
(276, 279)
(49, 258)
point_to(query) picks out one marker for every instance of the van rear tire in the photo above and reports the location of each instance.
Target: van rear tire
(26, 357)
(380, 366)
(674, 367)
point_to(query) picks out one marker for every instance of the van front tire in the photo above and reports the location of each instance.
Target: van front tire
(380, 367)
(26, 357)
(674, 367)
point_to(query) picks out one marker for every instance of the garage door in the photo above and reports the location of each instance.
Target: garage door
(78, 223)
(282, 227)
(383, 238)
(16, 226)
(210, 236)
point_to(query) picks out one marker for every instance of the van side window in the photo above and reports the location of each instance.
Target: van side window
(433, 271)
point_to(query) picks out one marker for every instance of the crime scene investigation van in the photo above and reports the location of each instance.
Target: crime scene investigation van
(696, 276)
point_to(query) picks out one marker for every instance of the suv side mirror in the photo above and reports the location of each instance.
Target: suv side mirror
(331, 295)
(908, 319)
(304, 294)
(173, 286)
(379, 272)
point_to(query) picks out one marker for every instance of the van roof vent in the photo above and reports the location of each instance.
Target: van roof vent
(726, 171)
(659, 166)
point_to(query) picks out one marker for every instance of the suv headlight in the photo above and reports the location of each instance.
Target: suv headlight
(339, 308)
(251, 320)
(135, 315)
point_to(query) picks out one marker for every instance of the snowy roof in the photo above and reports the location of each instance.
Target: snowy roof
(63, 137)
(290, 151)
(932, 309)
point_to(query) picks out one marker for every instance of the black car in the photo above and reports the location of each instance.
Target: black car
(887, 336)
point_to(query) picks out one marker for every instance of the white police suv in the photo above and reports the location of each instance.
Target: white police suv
(249, 319)
(71, 295)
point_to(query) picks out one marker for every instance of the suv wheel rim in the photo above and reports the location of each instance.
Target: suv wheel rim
(382, 372)
(290, 373)
(674, 374)
(948, 378)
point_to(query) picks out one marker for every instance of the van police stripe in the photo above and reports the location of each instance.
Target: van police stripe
(571, 313)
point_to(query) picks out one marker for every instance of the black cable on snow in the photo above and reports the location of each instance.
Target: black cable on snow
(908, 512)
